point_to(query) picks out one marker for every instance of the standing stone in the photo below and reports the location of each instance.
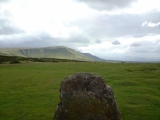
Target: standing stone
(85, 96)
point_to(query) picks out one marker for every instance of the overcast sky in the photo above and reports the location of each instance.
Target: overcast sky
(110, 29)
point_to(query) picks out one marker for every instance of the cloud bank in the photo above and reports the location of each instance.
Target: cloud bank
(110, 29)
(107, 4)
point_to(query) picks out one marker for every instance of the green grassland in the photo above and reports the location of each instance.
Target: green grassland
(30, 91)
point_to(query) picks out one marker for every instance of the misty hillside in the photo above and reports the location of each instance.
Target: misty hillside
(59, 52)
(93, 57)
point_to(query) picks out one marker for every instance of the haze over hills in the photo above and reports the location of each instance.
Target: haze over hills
(59, 52)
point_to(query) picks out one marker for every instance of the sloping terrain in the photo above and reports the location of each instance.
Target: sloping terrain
(93, 57)
(59, 52)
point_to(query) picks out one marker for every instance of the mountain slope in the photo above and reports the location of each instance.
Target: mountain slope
(93, 57)
(3, 54)
(59, 52)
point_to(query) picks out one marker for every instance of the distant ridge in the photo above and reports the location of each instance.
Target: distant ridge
(93, 57)
(60, 52)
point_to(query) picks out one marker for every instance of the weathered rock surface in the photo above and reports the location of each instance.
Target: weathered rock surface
(85, 96)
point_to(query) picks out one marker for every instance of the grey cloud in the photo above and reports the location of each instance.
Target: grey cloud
(145, 47)
(98, 41)
(135, 45)
(5, 14)
(25, 40)
(116, 42)
(157, 47)
(1, 1)
(41, 39)
(144, 51)
(107, 4)
(152, 16)
(7, 28)
(122, 25)
(78, 38)
(139, 51)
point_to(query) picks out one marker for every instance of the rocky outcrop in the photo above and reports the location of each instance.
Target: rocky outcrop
(86, 96)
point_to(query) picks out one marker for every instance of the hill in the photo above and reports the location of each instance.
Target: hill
(59, 52)
(93, 57)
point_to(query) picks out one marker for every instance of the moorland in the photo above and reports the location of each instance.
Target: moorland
(29, 89)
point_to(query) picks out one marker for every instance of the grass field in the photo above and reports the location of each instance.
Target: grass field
(30, 91)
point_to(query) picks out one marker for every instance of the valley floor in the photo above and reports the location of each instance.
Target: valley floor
(30, 90)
